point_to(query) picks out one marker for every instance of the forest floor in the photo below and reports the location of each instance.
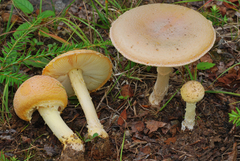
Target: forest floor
(147, 135)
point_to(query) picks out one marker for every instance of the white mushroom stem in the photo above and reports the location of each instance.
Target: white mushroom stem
(189, 120)
(82, 93)
(52, 118)
(161, 85)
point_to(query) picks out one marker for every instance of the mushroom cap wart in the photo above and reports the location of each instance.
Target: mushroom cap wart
(192, 91)
(96, 69)
(163, 35)
(38, 92)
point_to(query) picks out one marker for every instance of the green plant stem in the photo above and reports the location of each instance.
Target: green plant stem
(224, 72)
(190, 73)
(223, 92)
(9, 20)
(168, 101)
(122, 146)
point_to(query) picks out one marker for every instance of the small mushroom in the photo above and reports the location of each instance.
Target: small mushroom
(47, 95)
(162, 35)
(81, 72)
(191, 93)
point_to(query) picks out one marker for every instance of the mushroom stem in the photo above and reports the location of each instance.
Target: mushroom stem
(82, 93)
(52, 118)
(161, 85)
(189, 120)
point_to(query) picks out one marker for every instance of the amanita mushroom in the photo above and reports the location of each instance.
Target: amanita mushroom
(81, 72)
(191, 92)
(162, 35)
(47, 95)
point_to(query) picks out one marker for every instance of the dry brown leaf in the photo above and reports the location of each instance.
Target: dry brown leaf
(137, 126)
(154, 125)
(222, 10)
(126, 91)
(26, 139)
(146, 150)
(146, 106)
(123, 117)
(229, 5)
(55, 37)
(227, 79)
(206, 58)
(170, 140)
(14, 18)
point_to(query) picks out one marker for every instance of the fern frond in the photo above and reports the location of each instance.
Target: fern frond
(12, 78)
(235, 117)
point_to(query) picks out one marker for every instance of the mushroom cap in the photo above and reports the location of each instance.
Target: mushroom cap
(192, 91)
(163, 35)
(96, 69)
(38, 92)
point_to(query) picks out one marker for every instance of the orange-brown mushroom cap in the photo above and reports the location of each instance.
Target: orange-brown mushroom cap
(163, 35)
(96, 69)
(36, 92)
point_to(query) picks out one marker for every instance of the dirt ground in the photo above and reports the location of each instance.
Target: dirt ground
(149, 136)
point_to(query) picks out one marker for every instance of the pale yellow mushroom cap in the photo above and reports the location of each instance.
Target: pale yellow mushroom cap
(96, 69)
(37, 92)
(192, 91)
(163, 35)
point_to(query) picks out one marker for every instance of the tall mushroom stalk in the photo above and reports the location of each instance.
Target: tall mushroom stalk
(48, 96)
(82, 93)
(161, 86)
(80, 72)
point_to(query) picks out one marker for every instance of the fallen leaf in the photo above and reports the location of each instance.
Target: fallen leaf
(170, 140)
(229, 5)
(139, 141)
(166, 128)
(206, 58)
(222, 10)
(123, 117)
(141, 113)
(55, 37)
(126, 91)
(154, 125)
(146, 149)
(146, 106)
(14, 18)
(227, 79)
(26, 139)
(230, 64)
(137, 126)
(214, 69)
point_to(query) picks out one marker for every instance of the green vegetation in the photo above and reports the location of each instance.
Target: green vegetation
(234, 117)
(215, 16)
(95, 135)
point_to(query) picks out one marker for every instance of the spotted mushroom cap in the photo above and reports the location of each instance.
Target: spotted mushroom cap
(192, 92)
(163, 35)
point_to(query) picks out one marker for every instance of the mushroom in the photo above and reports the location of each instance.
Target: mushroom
(191, 93)
(47, 95)
(81, 72)
(162, 35)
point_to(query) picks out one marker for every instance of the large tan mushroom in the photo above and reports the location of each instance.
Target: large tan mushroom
(47, 95)
(81, 72)
(162, 35)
